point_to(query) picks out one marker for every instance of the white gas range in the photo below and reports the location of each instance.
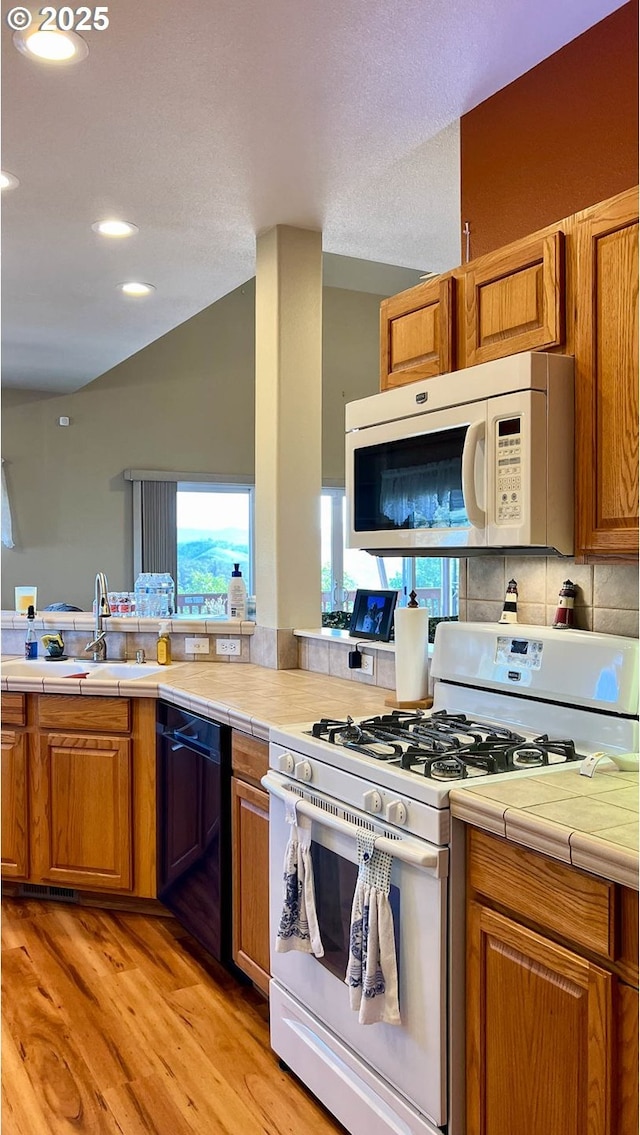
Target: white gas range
(508, 700)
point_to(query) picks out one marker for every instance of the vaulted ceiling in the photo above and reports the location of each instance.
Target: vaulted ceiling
(205, 122)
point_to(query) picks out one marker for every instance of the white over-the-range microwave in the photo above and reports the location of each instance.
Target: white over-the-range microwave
(468, 463)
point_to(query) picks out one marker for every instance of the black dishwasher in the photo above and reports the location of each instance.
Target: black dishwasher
(193, 825)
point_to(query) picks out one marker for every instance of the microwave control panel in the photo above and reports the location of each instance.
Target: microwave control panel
(508, 471)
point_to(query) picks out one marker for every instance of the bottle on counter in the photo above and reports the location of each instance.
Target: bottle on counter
(30, 640)
(163, 644)
(237, 595)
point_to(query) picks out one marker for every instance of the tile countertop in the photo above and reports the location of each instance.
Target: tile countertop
(248, 697)
(589, 822)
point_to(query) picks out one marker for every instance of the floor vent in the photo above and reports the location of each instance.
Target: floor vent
(35, 891)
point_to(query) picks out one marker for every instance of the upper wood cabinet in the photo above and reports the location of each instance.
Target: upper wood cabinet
(606, 350)
(572, 288)
(514, 299)
(417, 333)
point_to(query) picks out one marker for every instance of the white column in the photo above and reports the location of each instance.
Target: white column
(288, 427)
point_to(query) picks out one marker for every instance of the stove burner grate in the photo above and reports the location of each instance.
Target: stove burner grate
(443, 746)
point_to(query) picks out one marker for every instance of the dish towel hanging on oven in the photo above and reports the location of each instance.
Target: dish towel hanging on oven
(298, 928)
(372, 970)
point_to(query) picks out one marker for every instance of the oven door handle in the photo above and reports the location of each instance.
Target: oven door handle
(407, 852)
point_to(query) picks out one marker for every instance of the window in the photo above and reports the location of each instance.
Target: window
(435, 579)
(214, 531)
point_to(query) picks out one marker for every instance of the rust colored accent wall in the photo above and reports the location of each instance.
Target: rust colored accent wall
(559, 138)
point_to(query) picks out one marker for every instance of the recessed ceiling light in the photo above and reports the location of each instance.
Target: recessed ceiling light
(51, 46)
(134, 288)
(7, 180)
(114, 228)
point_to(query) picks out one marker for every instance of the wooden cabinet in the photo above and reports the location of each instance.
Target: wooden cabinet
(539, 1033)
(606, 351)
(250, 858)
(78, 794)
(15, 804)
(81, 827)
(552, 998)
(572, 288)
(417, 333)
(514, 299)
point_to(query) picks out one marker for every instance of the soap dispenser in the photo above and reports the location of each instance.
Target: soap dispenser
(237, 595)
(163, 644)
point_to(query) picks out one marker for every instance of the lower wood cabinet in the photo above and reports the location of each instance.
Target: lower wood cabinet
(14, 823)
(539, 1033)
(250, 859)
(78, 794)
(552, 996)
(81, 831)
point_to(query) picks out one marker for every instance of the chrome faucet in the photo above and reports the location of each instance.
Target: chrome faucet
(98, 644)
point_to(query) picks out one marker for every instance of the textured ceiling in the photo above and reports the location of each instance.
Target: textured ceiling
(204, 123)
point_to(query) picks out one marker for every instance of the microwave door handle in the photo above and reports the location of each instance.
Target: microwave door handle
(475, 434)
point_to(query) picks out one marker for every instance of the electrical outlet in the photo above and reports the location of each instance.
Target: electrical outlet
(196, 645)
(228, 646)
(368, 664)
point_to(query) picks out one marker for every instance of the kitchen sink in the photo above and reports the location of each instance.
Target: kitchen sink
(78, 668)
(119, 671)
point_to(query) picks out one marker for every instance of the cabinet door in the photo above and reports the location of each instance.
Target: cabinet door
(417, 333)
(81, 791)
(250, 872)
(627, 1120)
(15, 806)
(539, 1033)
(514, 299)
(607, 378)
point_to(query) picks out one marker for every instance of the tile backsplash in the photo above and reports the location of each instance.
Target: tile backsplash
(606, 599)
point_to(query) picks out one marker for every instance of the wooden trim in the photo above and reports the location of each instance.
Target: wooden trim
(628, 937)
(522, 881)
(144, 833)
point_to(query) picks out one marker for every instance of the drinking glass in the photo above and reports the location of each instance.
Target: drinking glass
(25, 597)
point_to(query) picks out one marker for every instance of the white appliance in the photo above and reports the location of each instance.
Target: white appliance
(470, 462)
(507, 701)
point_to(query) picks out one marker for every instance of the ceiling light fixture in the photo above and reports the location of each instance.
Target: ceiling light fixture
(135, 288)
(8, 180)
(114, 228)
(51, 46)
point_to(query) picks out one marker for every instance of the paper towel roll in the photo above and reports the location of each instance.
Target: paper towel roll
(411, 637)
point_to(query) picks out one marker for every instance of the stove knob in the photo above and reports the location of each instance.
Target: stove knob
(396, 812)
(303, 771)
(286, 762)
(372, 801)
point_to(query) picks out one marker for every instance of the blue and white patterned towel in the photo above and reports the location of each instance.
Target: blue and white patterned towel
(372, 970)
(298, 928)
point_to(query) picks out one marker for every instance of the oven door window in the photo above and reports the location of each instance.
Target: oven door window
(335, 883)
(413, 482)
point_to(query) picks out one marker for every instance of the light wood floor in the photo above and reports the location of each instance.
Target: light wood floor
(118, 1023)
